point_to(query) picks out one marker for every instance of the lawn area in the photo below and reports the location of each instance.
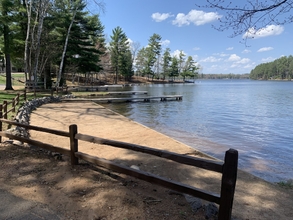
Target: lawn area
(18, 79)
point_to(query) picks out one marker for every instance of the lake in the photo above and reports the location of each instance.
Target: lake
(253, 117)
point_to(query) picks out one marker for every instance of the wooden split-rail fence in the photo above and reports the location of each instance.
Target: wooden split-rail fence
(228, 168)
(10, 106)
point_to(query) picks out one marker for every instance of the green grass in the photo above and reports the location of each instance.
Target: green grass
(6, 96)
(15, 79)
(9, 95)
(286, 184)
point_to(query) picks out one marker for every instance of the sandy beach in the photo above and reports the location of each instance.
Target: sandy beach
(90, 197)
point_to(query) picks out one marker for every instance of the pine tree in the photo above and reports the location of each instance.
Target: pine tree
(119, 47)
(189, 69)
(82, 39)
(166, 62)
(174, 70)
(153, 52)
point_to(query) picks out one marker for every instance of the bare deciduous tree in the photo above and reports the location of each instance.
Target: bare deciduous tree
(26, 61)
(42, 11)
(243, 16)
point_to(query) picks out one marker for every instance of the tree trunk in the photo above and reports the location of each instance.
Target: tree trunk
(7, 58)
(42, 13)
(116, 77)
(8, 73)
(64, 49)
(26, 62)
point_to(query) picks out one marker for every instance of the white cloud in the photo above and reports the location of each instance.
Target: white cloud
(234, 65)
(196, 17)
(268, 59)
(196, 48)
(230, 48)
(264, 49)
(246, 51)
(130, 41)
(210, 59)
(237, 61)
(249, 66)
(177, 52)
(269, 30)
(234, 58)
(165, 43)
(158, 17)
(243, 61)
(221, 54)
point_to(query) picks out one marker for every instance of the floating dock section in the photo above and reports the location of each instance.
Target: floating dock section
(126, 99)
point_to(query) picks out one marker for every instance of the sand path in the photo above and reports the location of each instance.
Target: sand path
(254, 198)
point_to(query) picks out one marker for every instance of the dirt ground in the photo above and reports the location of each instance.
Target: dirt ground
(89, 192)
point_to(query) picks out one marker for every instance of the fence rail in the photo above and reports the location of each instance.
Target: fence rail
(228, 168)
(201, 163)
(10, 106)
(4, 108)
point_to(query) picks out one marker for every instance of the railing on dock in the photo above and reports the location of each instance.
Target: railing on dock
(228, 169)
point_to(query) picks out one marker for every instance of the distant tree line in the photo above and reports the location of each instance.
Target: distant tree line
(224, 76)
(281, 69)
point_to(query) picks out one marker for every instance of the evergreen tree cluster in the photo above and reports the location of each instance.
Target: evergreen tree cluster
(150, 63)
(46, 39)
(39, 36)
(281, 69)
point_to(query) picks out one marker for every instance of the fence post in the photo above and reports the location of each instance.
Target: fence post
(228, 184)
(73, 144)
(17, 99)
(13, 104)
(5, 109)
(24, 95)
(1, 124)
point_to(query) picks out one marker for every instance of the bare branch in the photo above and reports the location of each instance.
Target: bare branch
(253, 14)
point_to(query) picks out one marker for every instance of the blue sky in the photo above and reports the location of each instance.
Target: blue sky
(185, 27)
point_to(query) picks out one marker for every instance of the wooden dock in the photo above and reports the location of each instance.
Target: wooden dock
(114, 94)
(94, 88)
(127, 93)
(126, 99)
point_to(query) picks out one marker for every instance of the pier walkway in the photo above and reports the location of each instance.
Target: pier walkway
(126, 99)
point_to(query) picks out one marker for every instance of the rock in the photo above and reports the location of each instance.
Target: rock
(134, 167)
(23, 114)
(211, 211)
(17, 142)
(194, 202)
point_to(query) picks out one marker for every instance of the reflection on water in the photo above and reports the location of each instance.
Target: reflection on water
(254, 117)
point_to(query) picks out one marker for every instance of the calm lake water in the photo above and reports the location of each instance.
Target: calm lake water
(254, 117)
